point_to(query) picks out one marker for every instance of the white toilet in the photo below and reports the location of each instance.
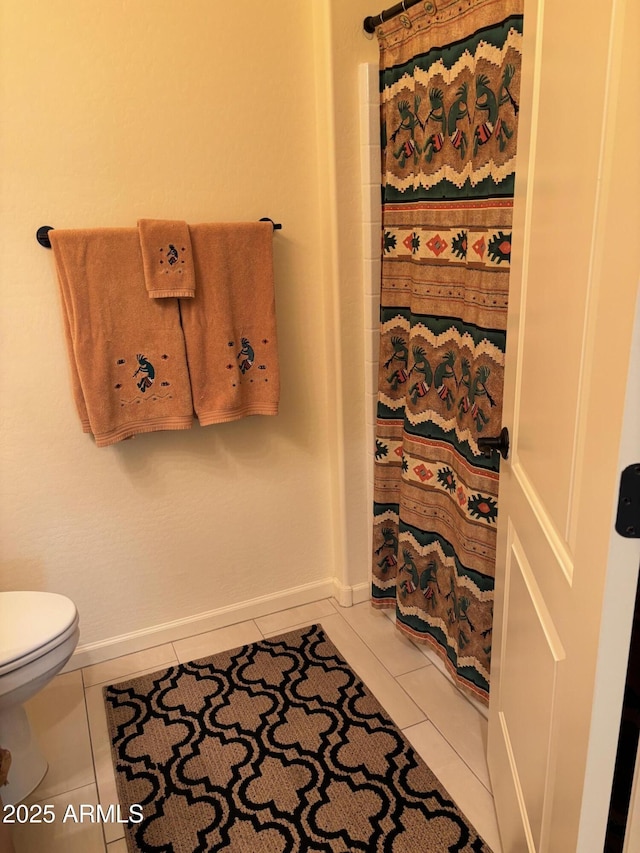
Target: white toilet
(38, 634)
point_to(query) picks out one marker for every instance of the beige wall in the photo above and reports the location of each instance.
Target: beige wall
(200, 111)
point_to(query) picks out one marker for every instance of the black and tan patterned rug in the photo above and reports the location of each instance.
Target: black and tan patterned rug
(275, 747)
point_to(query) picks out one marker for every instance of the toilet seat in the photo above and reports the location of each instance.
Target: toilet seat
(31, 624)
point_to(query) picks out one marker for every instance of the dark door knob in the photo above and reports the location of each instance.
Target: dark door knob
(496, 442)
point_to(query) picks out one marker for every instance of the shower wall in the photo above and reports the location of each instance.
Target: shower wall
(371, 250)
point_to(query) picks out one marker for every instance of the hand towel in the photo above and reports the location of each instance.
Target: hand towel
(127, 353)
(167, 258)
(230, 326)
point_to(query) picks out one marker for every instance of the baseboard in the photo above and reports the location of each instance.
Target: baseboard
(125, 644)
(347, 596)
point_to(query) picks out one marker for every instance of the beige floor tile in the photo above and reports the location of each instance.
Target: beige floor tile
(305, 614)
(105, 775)
(59, 720)
(220, 640)
(395, 651)
(402, 710)
(469, 794)
(63, 836)
(455, 718)
(119, 846)
(434, 658)
(111, 671)
(270, 634)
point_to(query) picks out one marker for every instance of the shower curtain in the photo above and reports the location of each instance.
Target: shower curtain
(449, 81)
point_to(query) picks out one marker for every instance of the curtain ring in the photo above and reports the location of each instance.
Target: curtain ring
(405, 20)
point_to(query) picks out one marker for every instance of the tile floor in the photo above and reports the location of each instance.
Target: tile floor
(69, 719)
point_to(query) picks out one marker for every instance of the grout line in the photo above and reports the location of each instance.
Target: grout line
(119, 657)
(93, 763)
(434, 724)
(466, 763)
(336, 606)
(452, 746)
(257, 627)
(380, 663)
(427, 717)
(49, 797)
(416, 668)
(146, 671)
(423, 648)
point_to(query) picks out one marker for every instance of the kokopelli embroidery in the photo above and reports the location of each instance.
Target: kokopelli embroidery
(172, 255)
(148, 372)
(247, 355)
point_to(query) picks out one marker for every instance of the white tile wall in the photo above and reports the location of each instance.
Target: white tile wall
(371, 232)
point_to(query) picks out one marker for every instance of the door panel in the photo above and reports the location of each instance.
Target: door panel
(574, 275)
(527, 706)
(572, 62)
(571, 83)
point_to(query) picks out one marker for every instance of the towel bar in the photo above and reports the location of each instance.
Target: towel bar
(42, 234)
(276, 225)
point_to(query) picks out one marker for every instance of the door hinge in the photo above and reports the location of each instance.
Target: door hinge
(628, 517)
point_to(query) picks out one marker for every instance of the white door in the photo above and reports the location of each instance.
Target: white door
(575, 268)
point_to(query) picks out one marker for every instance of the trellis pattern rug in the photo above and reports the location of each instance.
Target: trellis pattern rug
(450, 80)
(275, 747)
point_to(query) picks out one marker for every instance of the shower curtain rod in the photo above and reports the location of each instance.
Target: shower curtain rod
(370, 23)
(42, 234)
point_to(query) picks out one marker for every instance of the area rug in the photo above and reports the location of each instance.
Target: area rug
(274, 747)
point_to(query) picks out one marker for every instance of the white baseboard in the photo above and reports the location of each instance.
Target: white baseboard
(361, 592)
(125, 644)
(347, 596)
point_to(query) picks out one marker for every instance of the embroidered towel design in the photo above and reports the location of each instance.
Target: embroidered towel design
(126, 351)
(167, 258)
(230, 326)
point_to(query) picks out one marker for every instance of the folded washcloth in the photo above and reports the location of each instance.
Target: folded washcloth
(167, 258)
(230, 326)
(127, 351)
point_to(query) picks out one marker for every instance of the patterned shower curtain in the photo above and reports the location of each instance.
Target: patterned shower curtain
(449, 79)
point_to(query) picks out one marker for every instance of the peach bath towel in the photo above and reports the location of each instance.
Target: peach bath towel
(167, 258)
(230, 326)
(126, 351)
